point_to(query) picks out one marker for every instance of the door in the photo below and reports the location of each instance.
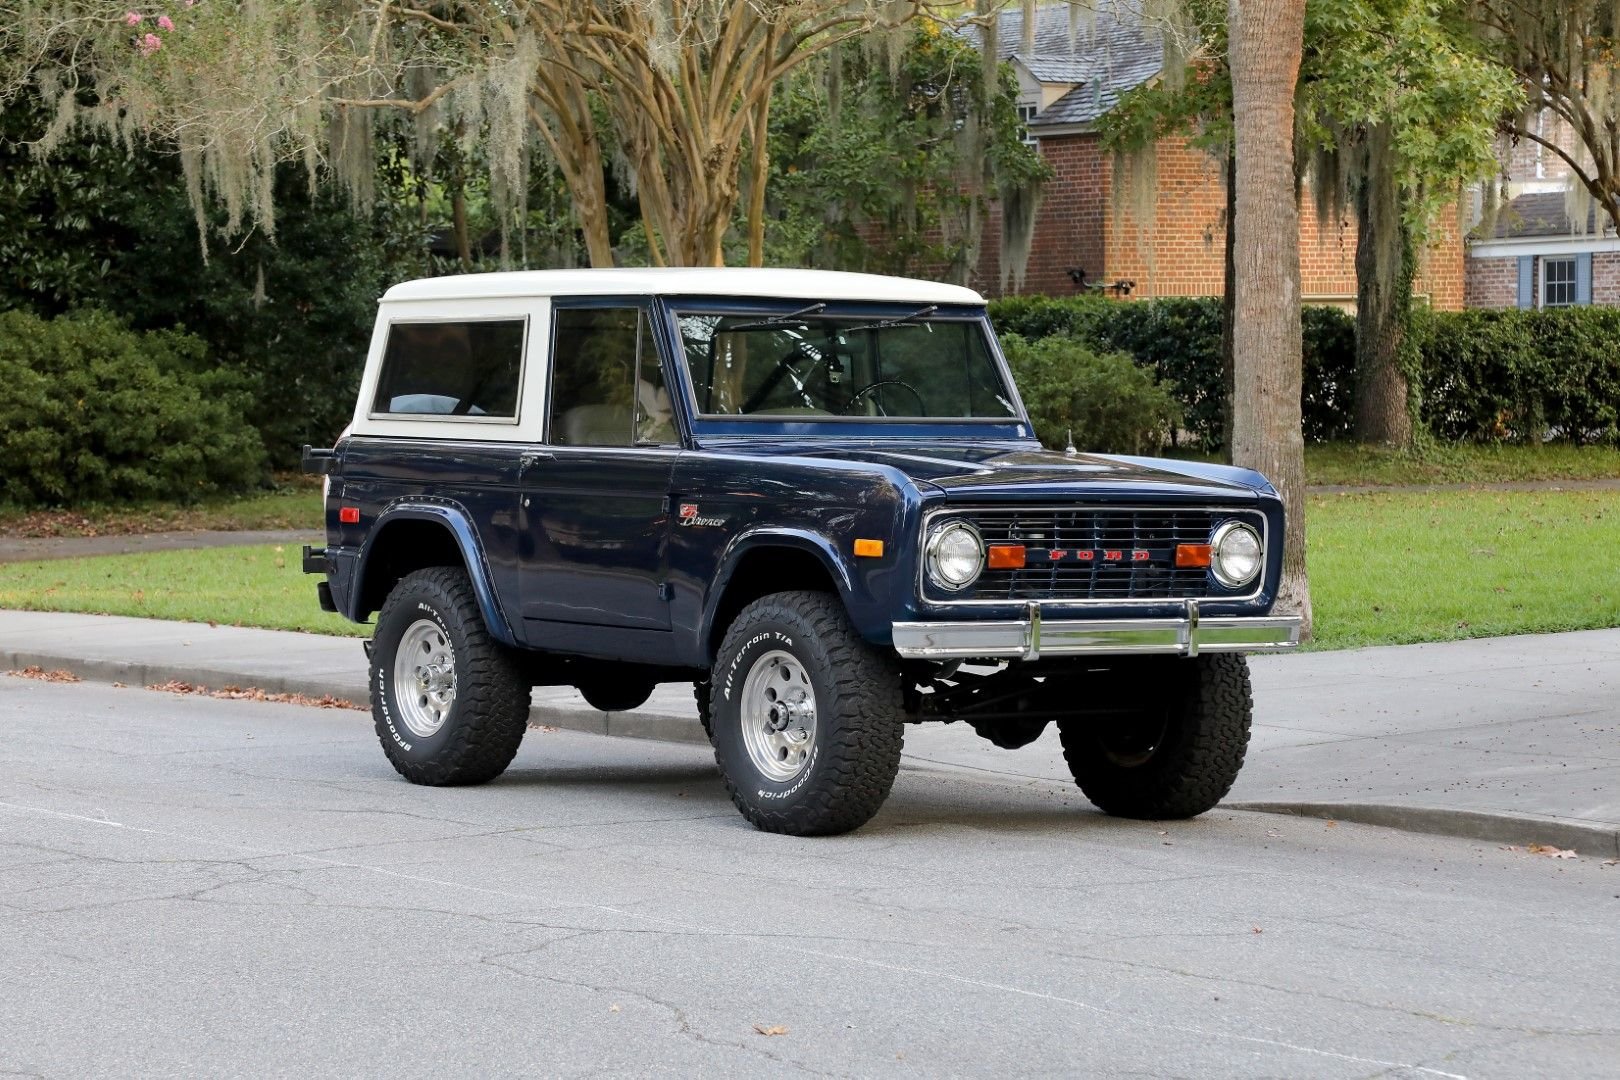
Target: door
(594, 497)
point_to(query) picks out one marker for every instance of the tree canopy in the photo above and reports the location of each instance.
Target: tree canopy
(677, 91)
(1566, 57)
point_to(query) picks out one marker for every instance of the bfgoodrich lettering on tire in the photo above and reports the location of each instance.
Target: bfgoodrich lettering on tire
(1177, 755)
(450, 703)
(805, 717)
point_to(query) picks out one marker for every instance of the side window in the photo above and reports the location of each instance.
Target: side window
(467, 369)
(607, 388)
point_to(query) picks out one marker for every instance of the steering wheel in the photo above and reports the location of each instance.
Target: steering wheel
(922, 406)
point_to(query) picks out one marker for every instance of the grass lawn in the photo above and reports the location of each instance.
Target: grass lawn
(1386, 568)
(294, 503)
(242, 586)
(1348, 465)
(1390, 568)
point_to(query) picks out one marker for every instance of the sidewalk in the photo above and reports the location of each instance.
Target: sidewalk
(33, 548)
(1513, 740)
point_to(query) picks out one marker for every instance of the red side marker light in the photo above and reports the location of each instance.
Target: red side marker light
(349, 515)
(1194, 555)
(1006, 557)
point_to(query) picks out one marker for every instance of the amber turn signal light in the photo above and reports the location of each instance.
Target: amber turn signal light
(1006, 556)
(1194, 555)
(871, 549)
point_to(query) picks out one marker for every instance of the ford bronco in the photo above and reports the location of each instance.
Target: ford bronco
(816, 497)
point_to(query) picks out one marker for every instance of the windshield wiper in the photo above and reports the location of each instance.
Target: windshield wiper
(776, 320)
(903, 320)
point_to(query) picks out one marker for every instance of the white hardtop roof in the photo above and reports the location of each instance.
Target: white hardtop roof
(681, 281)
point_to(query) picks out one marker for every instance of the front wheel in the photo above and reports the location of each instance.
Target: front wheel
(804, 716)
(450, 703)
(1178, 753)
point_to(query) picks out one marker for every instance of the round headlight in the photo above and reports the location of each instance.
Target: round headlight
(1237, 555)
(955, 555)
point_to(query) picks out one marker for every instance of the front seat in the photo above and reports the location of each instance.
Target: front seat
(596, 425)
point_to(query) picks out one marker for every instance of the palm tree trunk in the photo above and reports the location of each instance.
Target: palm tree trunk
(1267, 38)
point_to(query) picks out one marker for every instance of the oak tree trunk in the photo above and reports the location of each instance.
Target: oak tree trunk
(1267, 38)
(1384, 264)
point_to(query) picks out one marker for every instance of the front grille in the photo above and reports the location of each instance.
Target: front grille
(1100, 553)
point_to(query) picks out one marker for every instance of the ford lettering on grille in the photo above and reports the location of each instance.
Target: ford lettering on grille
(1098, 555)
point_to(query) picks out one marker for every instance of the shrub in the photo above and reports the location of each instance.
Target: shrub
(96, 412)
(1179, 340)
(1521, 375)
(1330, 373)
(1111, 404)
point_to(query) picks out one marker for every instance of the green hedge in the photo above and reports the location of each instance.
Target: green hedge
(1521, 375)
(1106, 402)
(1486, 375)
(1179, 339)
(94, 412)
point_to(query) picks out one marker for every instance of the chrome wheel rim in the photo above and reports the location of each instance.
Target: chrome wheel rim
(778, 716)
(424, 678)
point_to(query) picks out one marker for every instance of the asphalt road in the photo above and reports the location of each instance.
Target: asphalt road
(191, 886)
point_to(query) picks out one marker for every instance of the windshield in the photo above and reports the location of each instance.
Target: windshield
(807, 365)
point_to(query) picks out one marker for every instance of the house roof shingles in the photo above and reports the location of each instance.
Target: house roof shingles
(1538, 213)
(1119, 52)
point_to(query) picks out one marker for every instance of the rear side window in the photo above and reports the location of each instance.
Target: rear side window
(454, 369)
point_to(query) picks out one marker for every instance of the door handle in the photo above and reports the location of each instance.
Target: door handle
(531, 458)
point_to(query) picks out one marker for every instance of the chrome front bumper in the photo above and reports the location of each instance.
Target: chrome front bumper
(1032, 637)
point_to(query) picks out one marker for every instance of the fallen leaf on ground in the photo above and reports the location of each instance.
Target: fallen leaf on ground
(34, 671)
(253, 693)
(774, 1029)
(614, 1007)
(1257, 930)
(1552, 851)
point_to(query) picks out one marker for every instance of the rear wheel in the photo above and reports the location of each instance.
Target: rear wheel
(1178, 754)
(804, 716)
(449, 702)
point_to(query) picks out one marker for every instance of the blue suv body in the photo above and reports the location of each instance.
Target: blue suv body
(817, 497)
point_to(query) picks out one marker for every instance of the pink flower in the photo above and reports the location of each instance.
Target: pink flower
(189, 3)
(132, 18)
(150, 44)
(165, 23)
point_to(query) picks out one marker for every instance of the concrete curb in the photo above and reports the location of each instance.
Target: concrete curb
(1601, 841)
(659, 726)
(137, 674)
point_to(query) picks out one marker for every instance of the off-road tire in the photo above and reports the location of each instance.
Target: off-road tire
(703, 694)
(622, 696)
(855, 752)
(486, 720)
(1208, 708)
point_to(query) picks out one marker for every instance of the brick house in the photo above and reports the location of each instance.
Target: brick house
(1086, 238)
(1532, 254)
